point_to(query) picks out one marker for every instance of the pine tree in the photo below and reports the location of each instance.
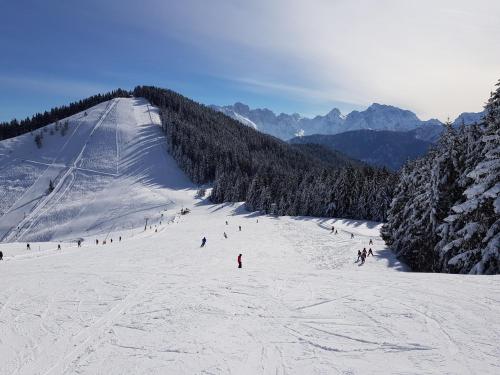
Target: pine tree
(445, 213)
(472, 232)
(201, 193)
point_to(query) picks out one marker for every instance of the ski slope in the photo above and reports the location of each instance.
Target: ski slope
(110, 172)
(157, 303)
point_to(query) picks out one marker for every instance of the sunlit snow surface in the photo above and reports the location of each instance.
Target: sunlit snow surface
(157, 303)
(111, 171)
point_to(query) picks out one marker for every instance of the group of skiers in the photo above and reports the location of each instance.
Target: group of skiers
(364, 254)
(78, 243)
(104, 241)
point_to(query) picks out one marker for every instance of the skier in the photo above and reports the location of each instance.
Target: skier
(120, 239)
(59, 247)
(352, 236)
(370, 252)
(359, 256)
(111, 240)
(371, 242)
(336, 231)
(79, 243)
(97, 241)
(1, 255)
(363, 256)
(226, 222)
(28, 246)
(239, 227)
(333, 229)
(203, 241)
(257, 221)
(225, 235)
(240, 265)
(364, 251)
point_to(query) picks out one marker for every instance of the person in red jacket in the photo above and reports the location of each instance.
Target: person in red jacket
(239, 262)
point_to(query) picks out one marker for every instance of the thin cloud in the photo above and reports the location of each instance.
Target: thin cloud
(438, 58)
(53, 86)
(294, 91)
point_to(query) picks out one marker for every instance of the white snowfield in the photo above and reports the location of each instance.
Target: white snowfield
(157, 303)
(110, 171)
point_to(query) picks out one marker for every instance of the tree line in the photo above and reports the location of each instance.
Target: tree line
(243, 164)
(18, 127)
(445, 216)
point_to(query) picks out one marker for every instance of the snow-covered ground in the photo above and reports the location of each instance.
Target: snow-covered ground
(158, 303)
(110, 171)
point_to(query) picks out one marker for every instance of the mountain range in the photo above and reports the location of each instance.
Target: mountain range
(375, 117)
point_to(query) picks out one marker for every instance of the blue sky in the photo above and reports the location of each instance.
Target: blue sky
(437, 58)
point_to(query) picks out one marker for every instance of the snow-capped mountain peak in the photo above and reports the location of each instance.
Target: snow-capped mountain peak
(334, 114)
(241, 108)
(376, 117)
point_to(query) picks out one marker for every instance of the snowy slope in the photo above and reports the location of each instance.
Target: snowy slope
(110, 171)
(157, 303)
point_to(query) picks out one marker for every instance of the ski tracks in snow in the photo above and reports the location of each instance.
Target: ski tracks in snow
(86, 341)
(158, 303)
(46, 203)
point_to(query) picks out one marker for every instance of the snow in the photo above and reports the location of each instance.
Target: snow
(375, 117)
(245, 120)
(110, 171)
(157, 303)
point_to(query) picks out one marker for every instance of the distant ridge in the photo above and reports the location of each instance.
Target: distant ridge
(375, 117)
(382, 148)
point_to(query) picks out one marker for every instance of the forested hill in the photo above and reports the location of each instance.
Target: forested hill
(270, 175)
(17, 127)
(326, 155)
(445, 216)
(376, 147)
